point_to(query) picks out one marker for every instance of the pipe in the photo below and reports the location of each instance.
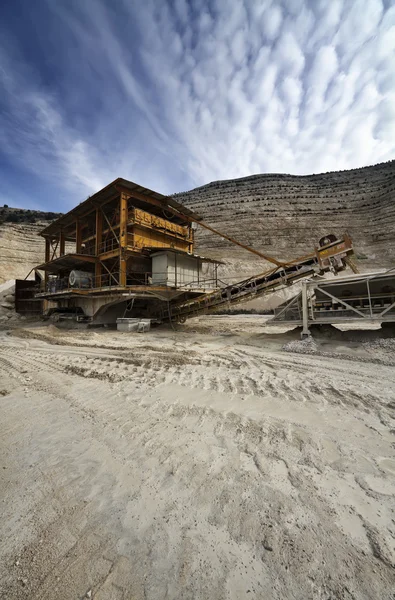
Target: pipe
(227, 237)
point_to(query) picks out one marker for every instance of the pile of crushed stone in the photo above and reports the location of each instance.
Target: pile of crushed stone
(7, 304)
(373, 346)
(306, 346)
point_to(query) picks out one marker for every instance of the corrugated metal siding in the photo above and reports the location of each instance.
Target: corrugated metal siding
(145, 218)
(146, 238)
(175, 270)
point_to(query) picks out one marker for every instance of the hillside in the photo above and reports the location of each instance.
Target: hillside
(9, 214)
(285, 215)
(282, 215)
(21, 246)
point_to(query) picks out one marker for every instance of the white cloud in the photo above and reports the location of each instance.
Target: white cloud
(322, 72)
(292, 90)
(271, 22)
(266, 84)
(182, 10)
(212, 90)
(361, 22)
(289, 55)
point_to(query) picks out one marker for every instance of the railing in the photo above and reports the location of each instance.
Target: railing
(135, 278)
(106, 280)
(178, 283)
(108, 245)
(162, 279)
(252, 287)
(88, 249)
(134, 243)
(140, 217)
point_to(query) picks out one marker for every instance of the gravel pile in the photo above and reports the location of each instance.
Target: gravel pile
(7, 303)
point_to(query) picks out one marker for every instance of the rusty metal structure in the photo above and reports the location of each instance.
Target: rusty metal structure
(107, 250)
(26, 302)
(128, 251)
(331, 255)
(366, 298)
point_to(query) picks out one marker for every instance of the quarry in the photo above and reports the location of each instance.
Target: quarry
(198, 392)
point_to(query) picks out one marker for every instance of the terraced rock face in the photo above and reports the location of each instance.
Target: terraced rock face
(281, 215)
(285, 215)
(21, 249)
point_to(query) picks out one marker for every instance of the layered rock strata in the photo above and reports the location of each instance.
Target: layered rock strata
(285, 215)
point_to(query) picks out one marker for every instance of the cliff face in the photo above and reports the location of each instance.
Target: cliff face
(286, 215)
(21, 248)
(281, 215)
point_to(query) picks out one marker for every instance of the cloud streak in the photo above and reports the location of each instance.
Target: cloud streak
(187, 92)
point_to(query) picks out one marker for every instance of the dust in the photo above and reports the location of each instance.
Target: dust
(196, 465)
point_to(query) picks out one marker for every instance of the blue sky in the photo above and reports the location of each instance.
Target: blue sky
(175, 94)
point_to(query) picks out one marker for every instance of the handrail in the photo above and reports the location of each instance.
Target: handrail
(109, 280)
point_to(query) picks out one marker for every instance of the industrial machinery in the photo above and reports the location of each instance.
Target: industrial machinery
(123, 243)
(369, 297)
(331, 256)
(80, 279)
(127, 243)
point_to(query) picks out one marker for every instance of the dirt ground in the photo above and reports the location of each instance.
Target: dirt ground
(223, 460)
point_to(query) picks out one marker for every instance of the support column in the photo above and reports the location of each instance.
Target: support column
(305, 312)
(191, 238)
(47, 249)
(123, 237)
(97, 282)
(62, 244)
(98, 248)
(47, 259)
(78, 237)
(99, 231)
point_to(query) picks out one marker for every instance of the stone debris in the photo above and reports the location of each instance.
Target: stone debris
(7, 303)
(21, 249)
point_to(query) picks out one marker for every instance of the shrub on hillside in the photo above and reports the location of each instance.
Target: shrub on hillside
(12, 218)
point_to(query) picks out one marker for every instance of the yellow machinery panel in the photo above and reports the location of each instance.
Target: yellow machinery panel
(144, 238)
(141, 217)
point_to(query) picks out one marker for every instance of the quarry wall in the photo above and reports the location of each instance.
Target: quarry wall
(285, 215)
(21, 248)
(281, 215)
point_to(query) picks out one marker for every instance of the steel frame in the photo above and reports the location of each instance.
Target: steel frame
(117, 220)
(308, 315)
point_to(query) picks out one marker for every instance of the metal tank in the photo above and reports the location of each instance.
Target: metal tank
(80, 279)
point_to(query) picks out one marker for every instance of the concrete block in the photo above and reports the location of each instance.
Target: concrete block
(129, 325)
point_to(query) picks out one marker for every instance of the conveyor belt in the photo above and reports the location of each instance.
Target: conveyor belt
(333, 256)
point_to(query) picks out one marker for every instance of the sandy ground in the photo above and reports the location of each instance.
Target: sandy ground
(200, 463)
